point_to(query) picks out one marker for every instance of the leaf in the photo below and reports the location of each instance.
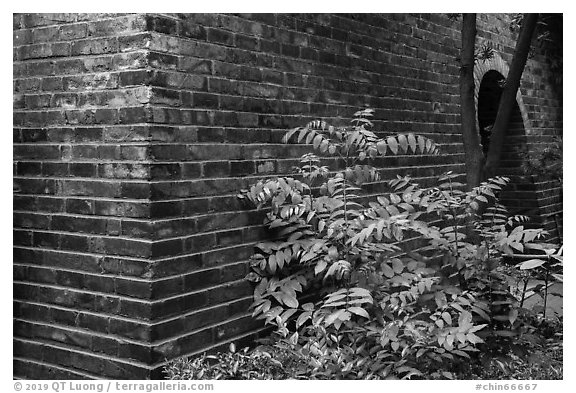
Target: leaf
(447, 317)
(381, 147)
(403, 142)
(477, 327)
(320, 266)
(289, 134)
(272, 263)
(392, 144)
(302, 318)
(481, 312)
(412, 142)
(464, 319)
(302, 133)
(387, 270)
(317, 140)
(531, 264)
(421, 144)
(359, 311)
(474, 339)
(397, 265)
(363, 292)
(341, 315)
(289, 300)
(449, 344)
(288, 313)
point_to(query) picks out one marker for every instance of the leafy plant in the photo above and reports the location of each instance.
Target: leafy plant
(548, 268)
(340, 278)
(243, 364)
(545, 163)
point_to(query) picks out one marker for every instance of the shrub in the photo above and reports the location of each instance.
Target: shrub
(243, 364)
(341, 290)
(398, 285)
(546, 163)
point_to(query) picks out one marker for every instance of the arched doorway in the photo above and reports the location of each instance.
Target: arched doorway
(520, 195)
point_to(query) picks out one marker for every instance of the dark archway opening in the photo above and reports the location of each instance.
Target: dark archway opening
(520, 195)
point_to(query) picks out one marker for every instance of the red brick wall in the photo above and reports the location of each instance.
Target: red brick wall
(82, 209)
(225, 89)
(133, 135)
(542, 98)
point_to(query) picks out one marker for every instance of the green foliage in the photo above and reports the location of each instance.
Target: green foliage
(546, 163)
(243, 364)
(549, 42)
(342, 282)
(539, 356)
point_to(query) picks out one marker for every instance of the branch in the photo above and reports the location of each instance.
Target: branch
(471, 138)
(508, 98)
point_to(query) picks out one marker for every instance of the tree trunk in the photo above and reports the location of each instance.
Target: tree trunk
(472, 146)
(508, 98)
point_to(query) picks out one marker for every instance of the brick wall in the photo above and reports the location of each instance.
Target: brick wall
(82, 209)
(133, 135)
(542, 101)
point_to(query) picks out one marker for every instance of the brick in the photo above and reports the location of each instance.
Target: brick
(190, 29)
(220, 36)
(128, 157)
(139, 289)
(242, 168)
(231, 291)
(140, 353)
(134, 42)
(161, 25)
(74, 243)
(72, 31)
(163, 61)
(229, 237)
(123, 171)
(69, 279)
(45, 34)
(79, 224)
(167, 248)
(211, 134)
(233, 328)
(42, 68)
(93, 322)
(137, 229)
(135, 190)
(246, 42)
(23, 238)
(52, 84)
(28, 168)
(108, 152)
(123, 24)
(45, 50)
(120, 208)
(133, 115)
(182, 346)
(94, 46)
(25, 85)
(104, 345)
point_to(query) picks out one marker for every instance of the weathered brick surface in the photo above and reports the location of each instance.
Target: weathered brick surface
(133, 134)
(82, 244)
(542, 99)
